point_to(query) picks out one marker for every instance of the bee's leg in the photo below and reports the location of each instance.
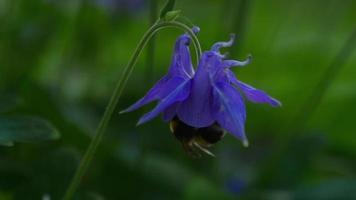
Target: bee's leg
(190, 149)
(196, 144)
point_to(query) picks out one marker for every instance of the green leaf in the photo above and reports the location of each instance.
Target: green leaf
(25, 129)
(167, 7)
(172, 15)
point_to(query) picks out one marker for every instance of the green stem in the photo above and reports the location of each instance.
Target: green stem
(152, 43)
(89, 154)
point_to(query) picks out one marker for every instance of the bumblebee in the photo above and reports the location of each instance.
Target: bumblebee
(196, 140)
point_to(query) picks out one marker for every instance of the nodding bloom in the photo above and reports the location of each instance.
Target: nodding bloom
(210, 96)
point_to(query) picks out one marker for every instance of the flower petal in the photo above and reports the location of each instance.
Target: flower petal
(170, 112)
(196, 110)
(251, 93)
(162, 88)
(236, 63)
(181, 69)
(180, 93)
(229, 109)
(195, 29)
(181, 64)
(218, 45)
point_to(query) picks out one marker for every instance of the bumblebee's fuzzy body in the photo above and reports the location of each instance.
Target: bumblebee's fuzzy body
(194, 139)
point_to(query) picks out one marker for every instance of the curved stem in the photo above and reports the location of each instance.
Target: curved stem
(89, 154)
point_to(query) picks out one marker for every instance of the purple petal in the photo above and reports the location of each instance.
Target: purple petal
(218, 45)
(236, 63)
(257, 96)
(181, 64)
(196, 110)
(211, 62)
(229, 109)
(161, 89)
(180, 93)
(253, 94)
(196, 29)
(170, 112)
(181, 69)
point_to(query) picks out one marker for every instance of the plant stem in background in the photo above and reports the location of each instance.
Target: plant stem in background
(307, 110)
(151, 44)
(149, 73)
(312, 103)
(90, 152)
(239, 22)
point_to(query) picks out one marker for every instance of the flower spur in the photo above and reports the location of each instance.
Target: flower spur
(201, 105)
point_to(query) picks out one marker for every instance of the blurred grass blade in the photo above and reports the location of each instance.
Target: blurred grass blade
(167, 8)
(273, 164)
(324, 83)
(151, 46)
(25, 129)
(239, 23)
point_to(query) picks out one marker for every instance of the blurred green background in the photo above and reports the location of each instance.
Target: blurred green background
(60, 59)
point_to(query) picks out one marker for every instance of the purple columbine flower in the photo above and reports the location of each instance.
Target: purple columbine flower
(205, 98)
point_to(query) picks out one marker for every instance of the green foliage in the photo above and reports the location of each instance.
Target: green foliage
(172, 15)
(168, 7)
(25, 129)
(60, 60)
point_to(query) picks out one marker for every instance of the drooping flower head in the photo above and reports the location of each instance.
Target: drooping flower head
(203, 99)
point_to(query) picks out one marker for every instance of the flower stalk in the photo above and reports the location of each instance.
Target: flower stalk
(90, 152)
